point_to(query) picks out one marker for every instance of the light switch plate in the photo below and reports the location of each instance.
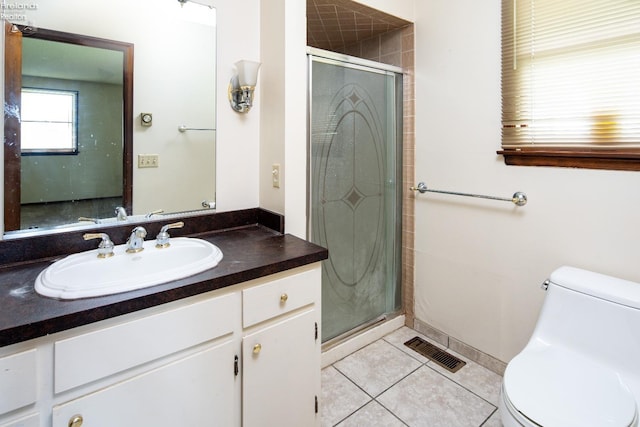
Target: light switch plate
(148, 160)
(275, 175)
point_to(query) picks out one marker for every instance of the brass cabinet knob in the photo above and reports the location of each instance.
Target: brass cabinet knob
(76, 421)
(257, 348)
(284, 298)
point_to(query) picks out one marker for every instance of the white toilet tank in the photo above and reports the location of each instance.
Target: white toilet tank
(595, 315)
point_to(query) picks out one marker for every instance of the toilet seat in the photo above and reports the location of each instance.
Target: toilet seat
(553, 386)
(509, 413)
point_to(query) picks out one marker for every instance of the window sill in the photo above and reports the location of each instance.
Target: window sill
(50, 153)
(628, 159)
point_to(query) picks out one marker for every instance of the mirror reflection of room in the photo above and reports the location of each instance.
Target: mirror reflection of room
(97, 168)
(71, 133)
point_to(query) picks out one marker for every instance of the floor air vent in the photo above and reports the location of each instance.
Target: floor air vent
(430, 351)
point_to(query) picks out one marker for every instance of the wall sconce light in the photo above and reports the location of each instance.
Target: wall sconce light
(242, 85)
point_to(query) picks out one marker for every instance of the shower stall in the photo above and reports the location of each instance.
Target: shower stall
(355, 166)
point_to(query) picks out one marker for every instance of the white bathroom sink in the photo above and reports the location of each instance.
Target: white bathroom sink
(85, 275)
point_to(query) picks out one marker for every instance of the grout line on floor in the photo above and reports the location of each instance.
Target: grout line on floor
(460, 385)
(392, 413)
(360, 388)
(489, 417)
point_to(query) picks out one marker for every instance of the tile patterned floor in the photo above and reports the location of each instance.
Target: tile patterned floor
(387, 384)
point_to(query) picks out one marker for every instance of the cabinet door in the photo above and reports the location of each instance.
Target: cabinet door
(281, 373)
(197, 390)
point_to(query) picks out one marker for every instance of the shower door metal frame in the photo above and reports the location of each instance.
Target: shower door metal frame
(334, 58)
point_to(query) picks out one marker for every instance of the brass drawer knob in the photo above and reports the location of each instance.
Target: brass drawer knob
(284, 298)
(76, 421)
(257, 348)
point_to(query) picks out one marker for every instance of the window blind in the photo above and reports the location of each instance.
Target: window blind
(571, 74)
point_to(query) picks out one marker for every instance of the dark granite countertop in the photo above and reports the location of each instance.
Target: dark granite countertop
(250, 251)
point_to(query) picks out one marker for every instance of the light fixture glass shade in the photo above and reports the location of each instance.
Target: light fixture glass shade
(247, 72)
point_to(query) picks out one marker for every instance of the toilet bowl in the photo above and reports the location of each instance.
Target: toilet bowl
(581, 366)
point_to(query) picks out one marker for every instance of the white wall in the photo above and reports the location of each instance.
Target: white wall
(479, 263)
(284, 123)
(271, 90)
(295, 124)
(238, 135)
(404, 9)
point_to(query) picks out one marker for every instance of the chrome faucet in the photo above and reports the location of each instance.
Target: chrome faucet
(121, 213)
(162, 239)
(136, 240)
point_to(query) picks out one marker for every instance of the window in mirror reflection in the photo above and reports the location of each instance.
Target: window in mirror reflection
(49, 121)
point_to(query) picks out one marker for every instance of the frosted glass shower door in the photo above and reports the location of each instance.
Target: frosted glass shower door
(355, 199)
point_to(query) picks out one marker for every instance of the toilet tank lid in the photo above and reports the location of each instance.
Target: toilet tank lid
(598, 285)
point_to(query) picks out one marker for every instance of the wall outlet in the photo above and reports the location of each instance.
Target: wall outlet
(275, 175)
(148, 160)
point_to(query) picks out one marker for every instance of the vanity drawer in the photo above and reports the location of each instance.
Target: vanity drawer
(17, 380)
(263, 302)
(95, 355)
(32, 420)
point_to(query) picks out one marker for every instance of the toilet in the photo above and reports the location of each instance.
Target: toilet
(581, 367)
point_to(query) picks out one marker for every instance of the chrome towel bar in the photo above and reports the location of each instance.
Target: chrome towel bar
(518, 198)
(184, 128)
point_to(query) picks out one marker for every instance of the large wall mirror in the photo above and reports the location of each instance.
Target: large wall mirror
(78, 159)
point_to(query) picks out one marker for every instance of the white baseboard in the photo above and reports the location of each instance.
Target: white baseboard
(360, 340)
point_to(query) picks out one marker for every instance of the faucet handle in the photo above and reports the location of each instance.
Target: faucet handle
(162, 239)
(105, 248)
(152, 213)
(84, 218)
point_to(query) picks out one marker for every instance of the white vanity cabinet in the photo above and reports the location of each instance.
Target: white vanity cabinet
(245, 355)
(281, 352)
(192, 384)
